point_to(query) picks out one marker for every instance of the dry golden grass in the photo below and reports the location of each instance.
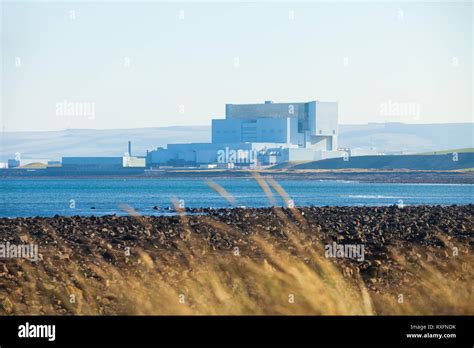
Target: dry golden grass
(278, 277)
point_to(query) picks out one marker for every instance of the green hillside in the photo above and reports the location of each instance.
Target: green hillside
(445, 152)
(464, 161)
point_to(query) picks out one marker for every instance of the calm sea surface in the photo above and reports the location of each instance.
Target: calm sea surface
(48, 197)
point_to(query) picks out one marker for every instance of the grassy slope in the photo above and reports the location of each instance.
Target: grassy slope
(445, 152)
(411, 162)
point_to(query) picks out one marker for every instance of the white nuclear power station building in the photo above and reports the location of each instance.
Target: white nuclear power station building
(266, 134)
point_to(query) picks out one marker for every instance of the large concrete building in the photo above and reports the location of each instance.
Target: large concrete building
(305, 125)
(274, 132)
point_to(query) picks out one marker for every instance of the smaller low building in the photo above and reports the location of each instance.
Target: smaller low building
(197, 154)
(13, 163)
(134, 162)
(92, 163)
(103, 163)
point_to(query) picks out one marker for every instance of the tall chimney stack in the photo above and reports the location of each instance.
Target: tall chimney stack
(130, 148)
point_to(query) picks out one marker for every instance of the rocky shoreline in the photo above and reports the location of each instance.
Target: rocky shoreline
(421, 233)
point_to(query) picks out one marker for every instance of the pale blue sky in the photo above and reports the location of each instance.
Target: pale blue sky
(364, 55)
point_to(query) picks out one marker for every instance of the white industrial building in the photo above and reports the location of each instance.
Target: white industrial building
(266, 133)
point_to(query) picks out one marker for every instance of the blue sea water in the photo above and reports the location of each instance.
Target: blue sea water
(48, 197)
